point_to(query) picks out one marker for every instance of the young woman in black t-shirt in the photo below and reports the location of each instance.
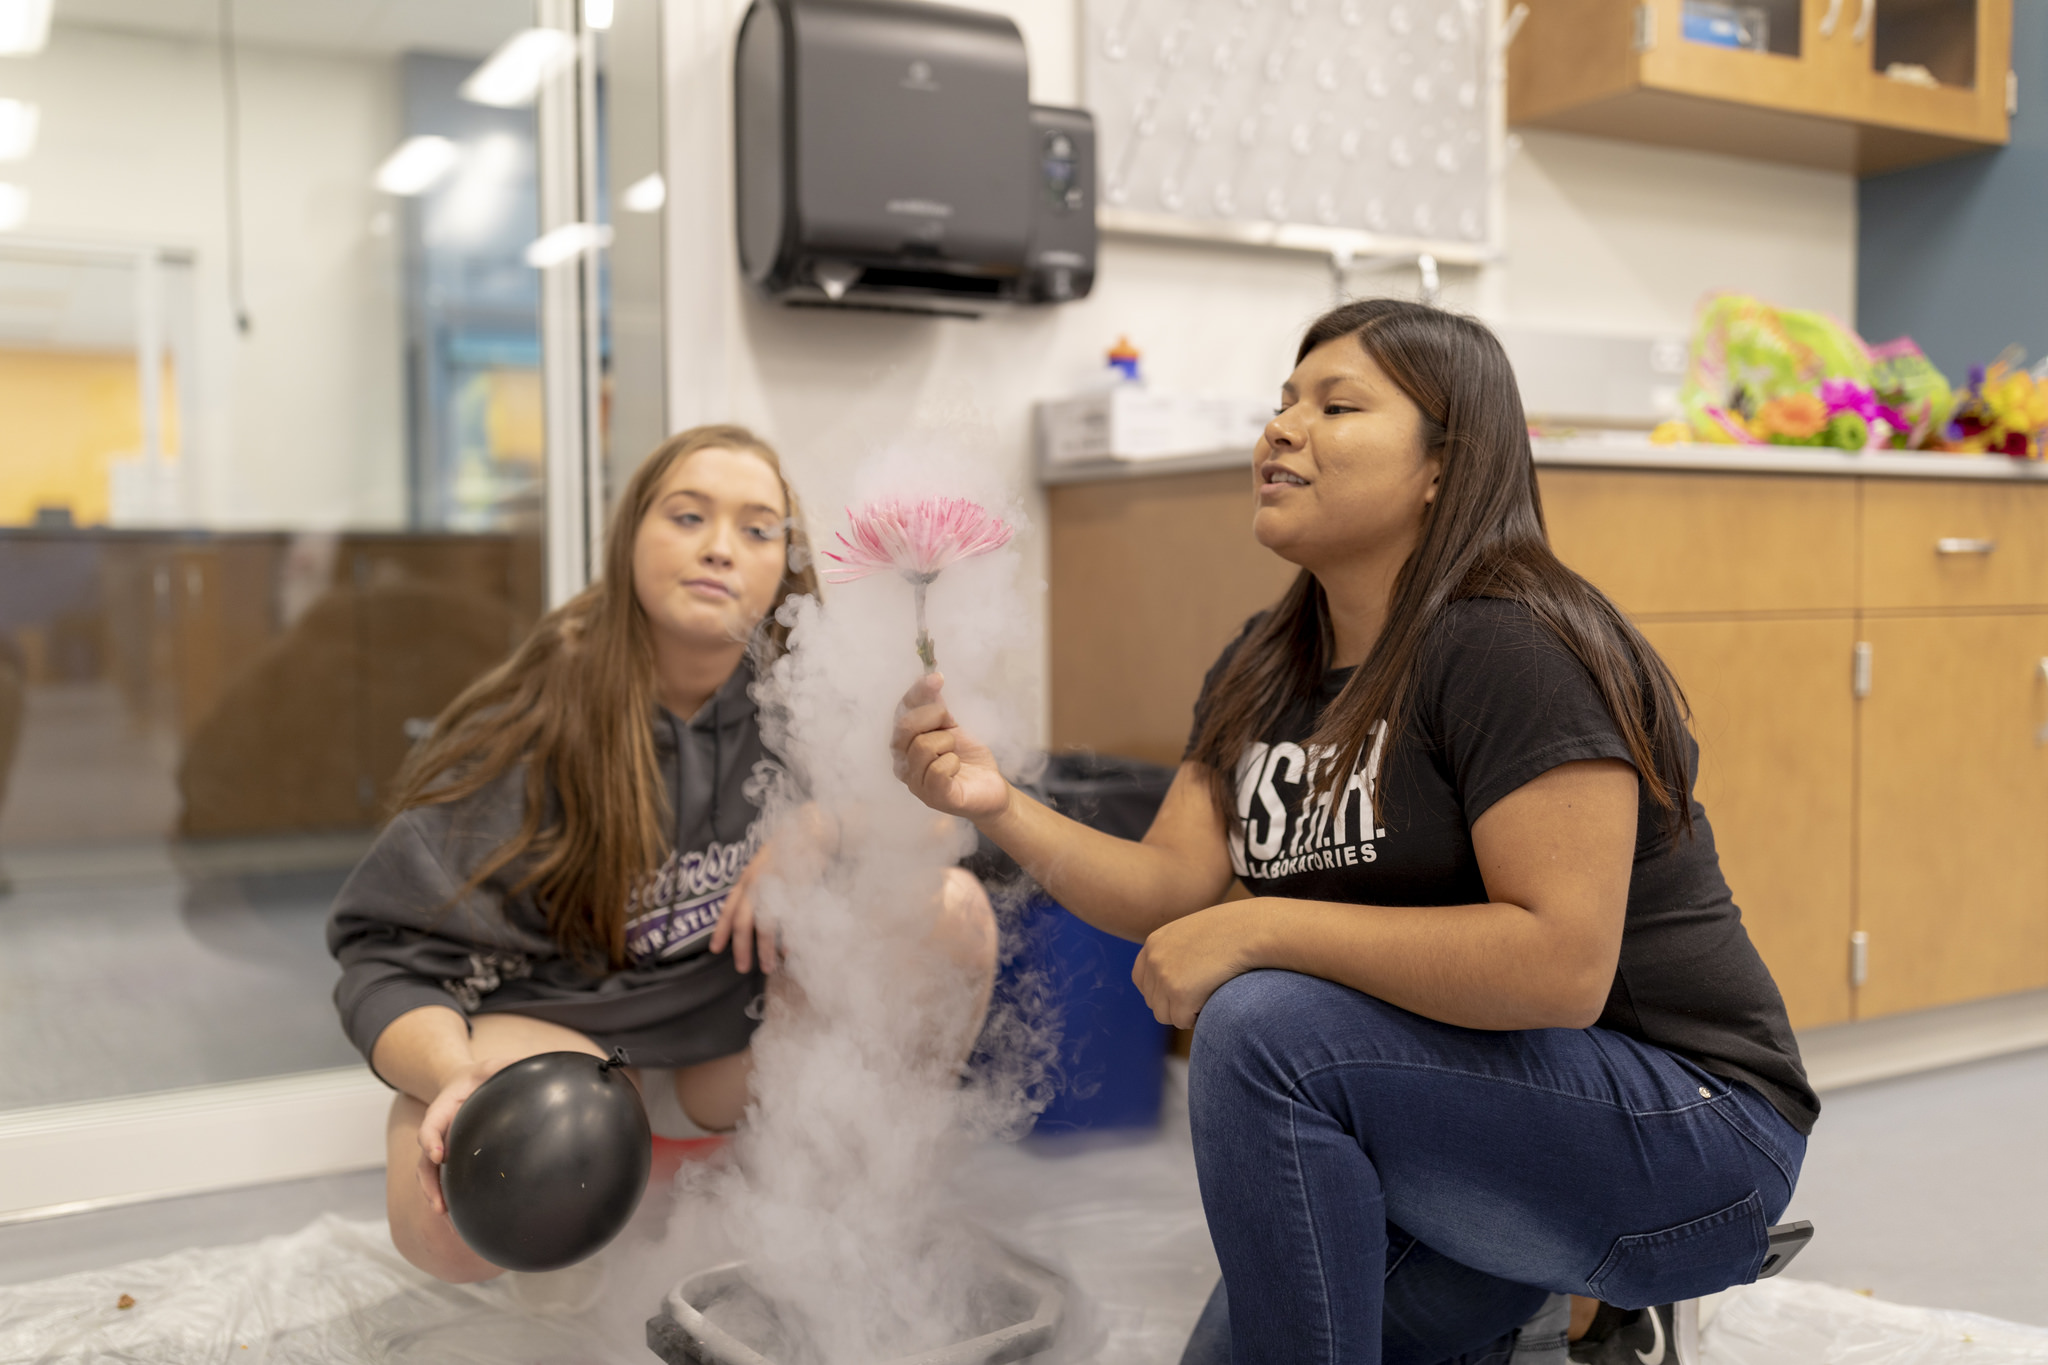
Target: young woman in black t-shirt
(1489, 1028)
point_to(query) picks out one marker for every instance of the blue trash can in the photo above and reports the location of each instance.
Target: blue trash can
(1112, 1055)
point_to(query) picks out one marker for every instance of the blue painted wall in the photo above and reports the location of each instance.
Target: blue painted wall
(1955, 255)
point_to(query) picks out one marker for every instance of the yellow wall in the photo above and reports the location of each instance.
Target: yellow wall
(514, 418)
(63, 416)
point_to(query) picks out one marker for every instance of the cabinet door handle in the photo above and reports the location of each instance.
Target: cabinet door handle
(1862, 29)
(1964, 545)
(2041, 735)
(1859, 670)
(1831, 18)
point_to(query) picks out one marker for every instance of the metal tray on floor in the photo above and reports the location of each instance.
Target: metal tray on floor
(1032, 1298)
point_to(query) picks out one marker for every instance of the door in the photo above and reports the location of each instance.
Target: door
(1766, 54)
(1774, 716)
(263, 512)
(1937, 66)
(1952, 805)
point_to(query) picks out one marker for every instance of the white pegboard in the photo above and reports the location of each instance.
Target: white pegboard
(1349, 125)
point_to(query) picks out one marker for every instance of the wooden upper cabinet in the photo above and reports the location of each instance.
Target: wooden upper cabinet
(1673, 543)
(1847, 85)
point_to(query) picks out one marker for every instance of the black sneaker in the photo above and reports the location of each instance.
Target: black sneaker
(1668, 1334)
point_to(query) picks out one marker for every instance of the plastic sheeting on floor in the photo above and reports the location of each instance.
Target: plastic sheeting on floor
(1119, 1215)
(1794, 1322)
(337, 1293)
(333, 1293)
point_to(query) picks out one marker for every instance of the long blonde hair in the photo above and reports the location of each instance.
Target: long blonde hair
(575, 704)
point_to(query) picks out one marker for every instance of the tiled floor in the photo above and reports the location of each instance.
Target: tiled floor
(1933, 1189)
(153, 966)
(134, 962)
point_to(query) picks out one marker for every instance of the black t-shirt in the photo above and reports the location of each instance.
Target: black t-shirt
(1500, 700)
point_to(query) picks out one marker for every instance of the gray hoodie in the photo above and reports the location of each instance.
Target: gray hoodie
(404, 940)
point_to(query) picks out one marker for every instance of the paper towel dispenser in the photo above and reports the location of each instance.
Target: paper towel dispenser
(888, 156)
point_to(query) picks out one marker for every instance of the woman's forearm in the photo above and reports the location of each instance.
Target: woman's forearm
(1487, 966)
(1124, 887)
(422, 1049)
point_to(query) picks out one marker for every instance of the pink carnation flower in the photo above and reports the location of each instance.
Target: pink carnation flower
(919, 539)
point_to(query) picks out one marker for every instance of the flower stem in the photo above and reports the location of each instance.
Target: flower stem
(924, 635)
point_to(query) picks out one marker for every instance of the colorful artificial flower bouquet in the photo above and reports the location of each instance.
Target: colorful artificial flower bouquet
(2004, 411)
(1761, 375)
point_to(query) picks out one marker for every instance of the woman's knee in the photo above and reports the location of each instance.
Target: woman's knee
(425, 1238)
(713, 1095)
(1254, 1009)
(422, 1235)
(966, 928)
(1239, 1032)
(514, 1037)
(1265, 1027)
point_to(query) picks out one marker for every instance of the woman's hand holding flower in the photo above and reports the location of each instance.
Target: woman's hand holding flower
(943, 765)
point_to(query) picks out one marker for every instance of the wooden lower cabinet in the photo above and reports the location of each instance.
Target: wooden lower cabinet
(1706, 544)
(1918, 815)
(1952, 854)
(1776, 725)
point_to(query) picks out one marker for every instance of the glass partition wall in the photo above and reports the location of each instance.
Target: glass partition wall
(302, 367)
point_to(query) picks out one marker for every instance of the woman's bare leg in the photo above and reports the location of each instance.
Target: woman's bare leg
(965, 935)
(964, 941)
(423, 1234)
(713, 1094)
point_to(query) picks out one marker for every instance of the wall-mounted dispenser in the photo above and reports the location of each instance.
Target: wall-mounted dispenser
(888, 156)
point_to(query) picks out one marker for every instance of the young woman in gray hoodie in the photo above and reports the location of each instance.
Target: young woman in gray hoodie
(570, 862)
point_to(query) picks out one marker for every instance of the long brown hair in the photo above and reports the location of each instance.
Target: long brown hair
(575, 704)
(1483, 536)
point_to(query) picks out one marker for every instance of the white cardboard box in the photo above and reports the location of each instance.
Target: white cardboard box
(1129, 422)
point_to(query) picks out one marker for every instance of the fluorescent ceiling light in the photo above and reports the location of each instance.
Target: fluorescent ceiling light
(511, 77)
(645, 195)
(24, 26)
(597, 13)
(13, 207)
(566, 243)
(417, 166)
(17, 129)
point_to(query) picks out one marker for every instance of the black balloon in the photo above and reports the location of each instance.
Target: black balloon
(547, 1160)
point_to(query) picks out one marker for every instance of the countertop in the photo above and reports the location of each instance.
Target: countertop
(1630, 451)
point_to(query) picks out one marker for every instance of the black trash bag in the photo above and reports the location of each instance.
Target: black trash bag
(1118, 796)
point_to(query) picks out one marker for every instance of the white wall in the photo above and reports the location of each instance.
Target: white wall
(1613, 236)
(1600, 236)
(302, 420)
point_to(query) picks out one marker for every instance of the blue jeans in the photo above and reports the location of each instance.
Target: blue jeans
(1383, 1187)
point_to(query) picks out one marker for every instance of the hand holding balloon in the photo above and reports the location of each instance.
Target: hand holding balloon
(546, 1160)
(434, 1127)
